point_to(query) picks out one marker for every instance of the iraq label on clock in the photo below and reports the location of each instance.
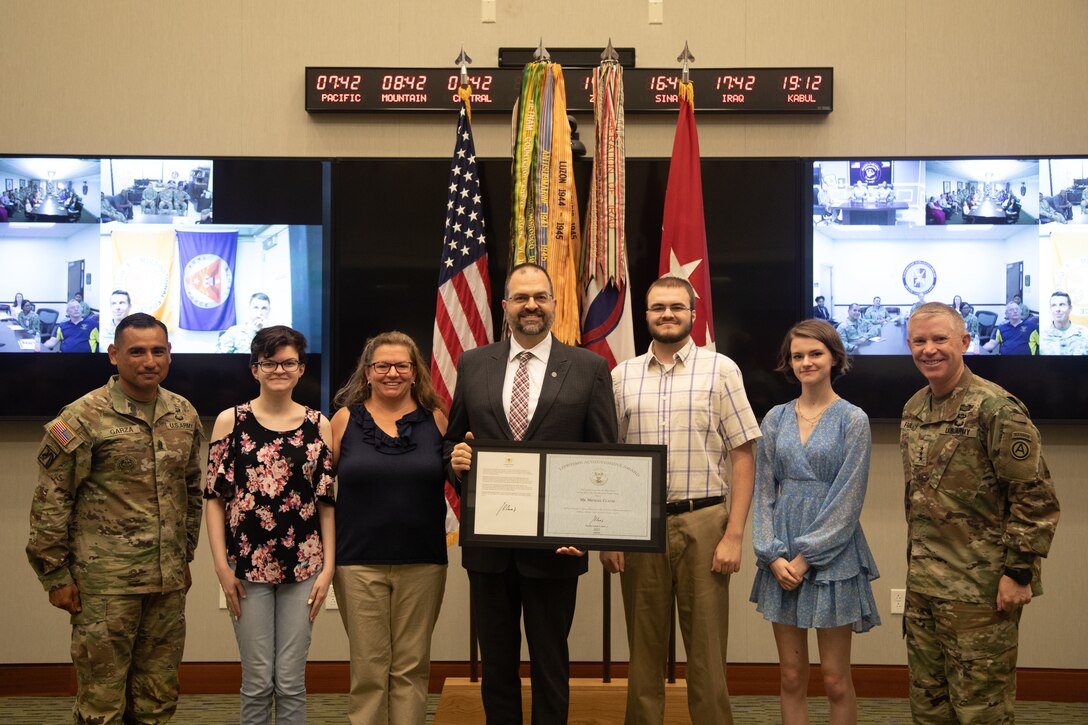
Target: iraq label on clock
(646, 90)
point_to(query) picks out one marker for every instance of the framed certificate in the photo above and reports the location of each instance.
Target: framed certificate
(550, 494)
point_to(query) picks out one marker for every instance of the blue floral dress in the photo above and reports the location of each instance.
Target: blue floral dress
(808, 501)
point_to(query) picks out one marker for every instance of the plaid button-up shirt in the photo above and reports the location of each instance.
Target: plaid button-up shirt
(696, 406)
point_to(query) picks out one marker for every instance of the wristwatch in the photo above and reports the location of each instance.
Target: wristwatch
(1020, 576)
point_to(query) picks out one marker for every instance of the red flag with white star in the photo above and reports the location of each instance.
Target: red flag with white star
(683, 227)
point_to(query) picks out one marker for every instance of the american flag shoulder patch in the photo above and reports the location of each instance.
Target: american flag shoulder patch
(61, 432)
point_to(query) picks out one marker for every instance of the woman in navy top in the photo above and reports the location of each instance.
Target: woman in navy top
(390, 528)
(814, 566)
(271, 526)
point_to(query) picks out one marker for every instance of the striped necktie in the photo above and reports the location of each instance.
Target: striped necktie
(519, 397)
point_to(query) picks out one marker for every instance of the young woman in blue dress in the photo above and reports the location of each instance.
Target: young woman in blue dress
(814, 566)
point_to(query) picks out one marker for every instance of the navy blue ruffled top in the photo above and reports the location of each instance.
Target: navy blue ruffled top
(390, 502)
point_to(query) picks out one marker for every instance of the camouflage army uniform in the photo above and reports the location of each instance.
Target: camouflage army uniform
(149, 200)
(853, 332)
(978, 499)
(876, 315)
(236, 338)
(1073, 340)
(970, 321)
(111, 213)
(117, 511)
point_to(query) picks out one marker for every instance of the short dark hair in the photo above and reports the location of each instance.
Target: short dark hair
(260, 296)
(518, 268)
(669, 280)
(1068, 299)
(122, 292)
(819, 298)
(138, 321)
(270, 339)
(822, 332)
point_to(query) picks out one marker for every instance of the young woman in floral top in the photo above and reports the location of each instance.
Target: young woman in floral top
(271, 526)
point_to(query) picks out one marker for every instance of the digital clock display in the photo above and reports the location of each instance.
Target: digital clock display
(717, 90)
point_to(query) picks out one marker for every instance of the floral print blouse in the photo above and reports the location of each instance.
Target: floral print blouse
(271, 482)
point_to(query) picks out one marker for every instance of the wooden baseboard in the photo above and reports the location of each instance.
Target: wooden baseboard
(224, 678)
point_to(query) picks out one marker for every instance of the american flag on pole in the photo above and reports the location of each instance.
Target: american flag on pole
(463, 310)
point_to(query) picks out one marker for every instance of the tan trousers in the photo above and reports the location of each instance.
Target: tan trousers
(649, 583)
(389, 613)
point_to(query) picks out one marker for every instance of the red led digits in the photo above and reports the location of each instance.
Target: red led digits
(735, 83)
(801, 89)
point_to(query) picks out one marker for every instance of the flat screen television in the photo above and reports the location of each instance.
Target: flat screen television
(213, 248)
(1005, 240)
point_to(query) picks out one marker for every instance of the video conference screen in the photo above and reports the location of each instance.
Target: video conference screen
(1004, 241)
(89, 241)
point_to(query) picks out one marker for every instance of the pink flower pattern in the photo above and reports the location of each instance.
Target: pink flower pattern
(273, 530)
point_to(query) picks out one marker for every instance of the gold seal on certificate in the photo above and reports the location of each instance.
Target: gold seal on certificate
(551, 494)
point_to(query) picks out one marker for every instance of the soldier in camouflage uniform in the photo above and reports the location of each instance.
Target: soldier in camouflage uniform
(981, 512)
(1062, 336)
(970, 320)
(149, 200)
(854, 331)
(114, 522)
(877, 314)
(237, 338)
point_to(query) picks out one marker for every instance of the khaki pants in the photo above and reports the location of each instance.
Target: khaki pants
(389, 614)
(962, 660)
(126, 650)
(650, 582)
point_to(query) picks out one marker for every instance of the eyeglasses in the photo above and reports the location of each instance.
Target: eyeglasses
(270, 366)
(540, 298)
(675, 309)
(384, 367)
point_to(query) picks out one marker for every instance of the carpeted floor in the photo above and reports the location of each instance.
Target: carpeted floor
(329, 709)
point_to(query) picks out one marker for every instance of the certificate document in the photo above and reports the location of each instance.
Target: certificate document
(550, 494)
(605, 497)
(507, 493)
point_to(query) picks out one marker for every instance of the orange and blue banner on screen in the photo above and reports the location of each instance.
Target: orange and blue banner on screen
(207, 279)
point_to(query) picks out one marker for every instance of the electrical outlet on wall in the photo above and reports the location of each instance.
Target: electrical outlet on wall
(899, 600)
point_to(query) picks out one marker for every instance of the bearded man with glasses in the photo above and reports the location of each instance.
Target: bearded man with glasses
(530, 387)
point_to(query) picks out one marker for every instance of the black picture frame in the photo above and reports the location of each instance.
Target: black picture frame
(655, 543)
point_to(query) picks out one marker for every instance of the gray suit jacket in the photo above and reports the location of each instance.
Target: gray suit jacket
(575, 404)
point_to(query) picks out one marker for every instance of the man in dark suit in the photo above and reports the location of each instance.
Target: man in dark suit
(534, 388)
